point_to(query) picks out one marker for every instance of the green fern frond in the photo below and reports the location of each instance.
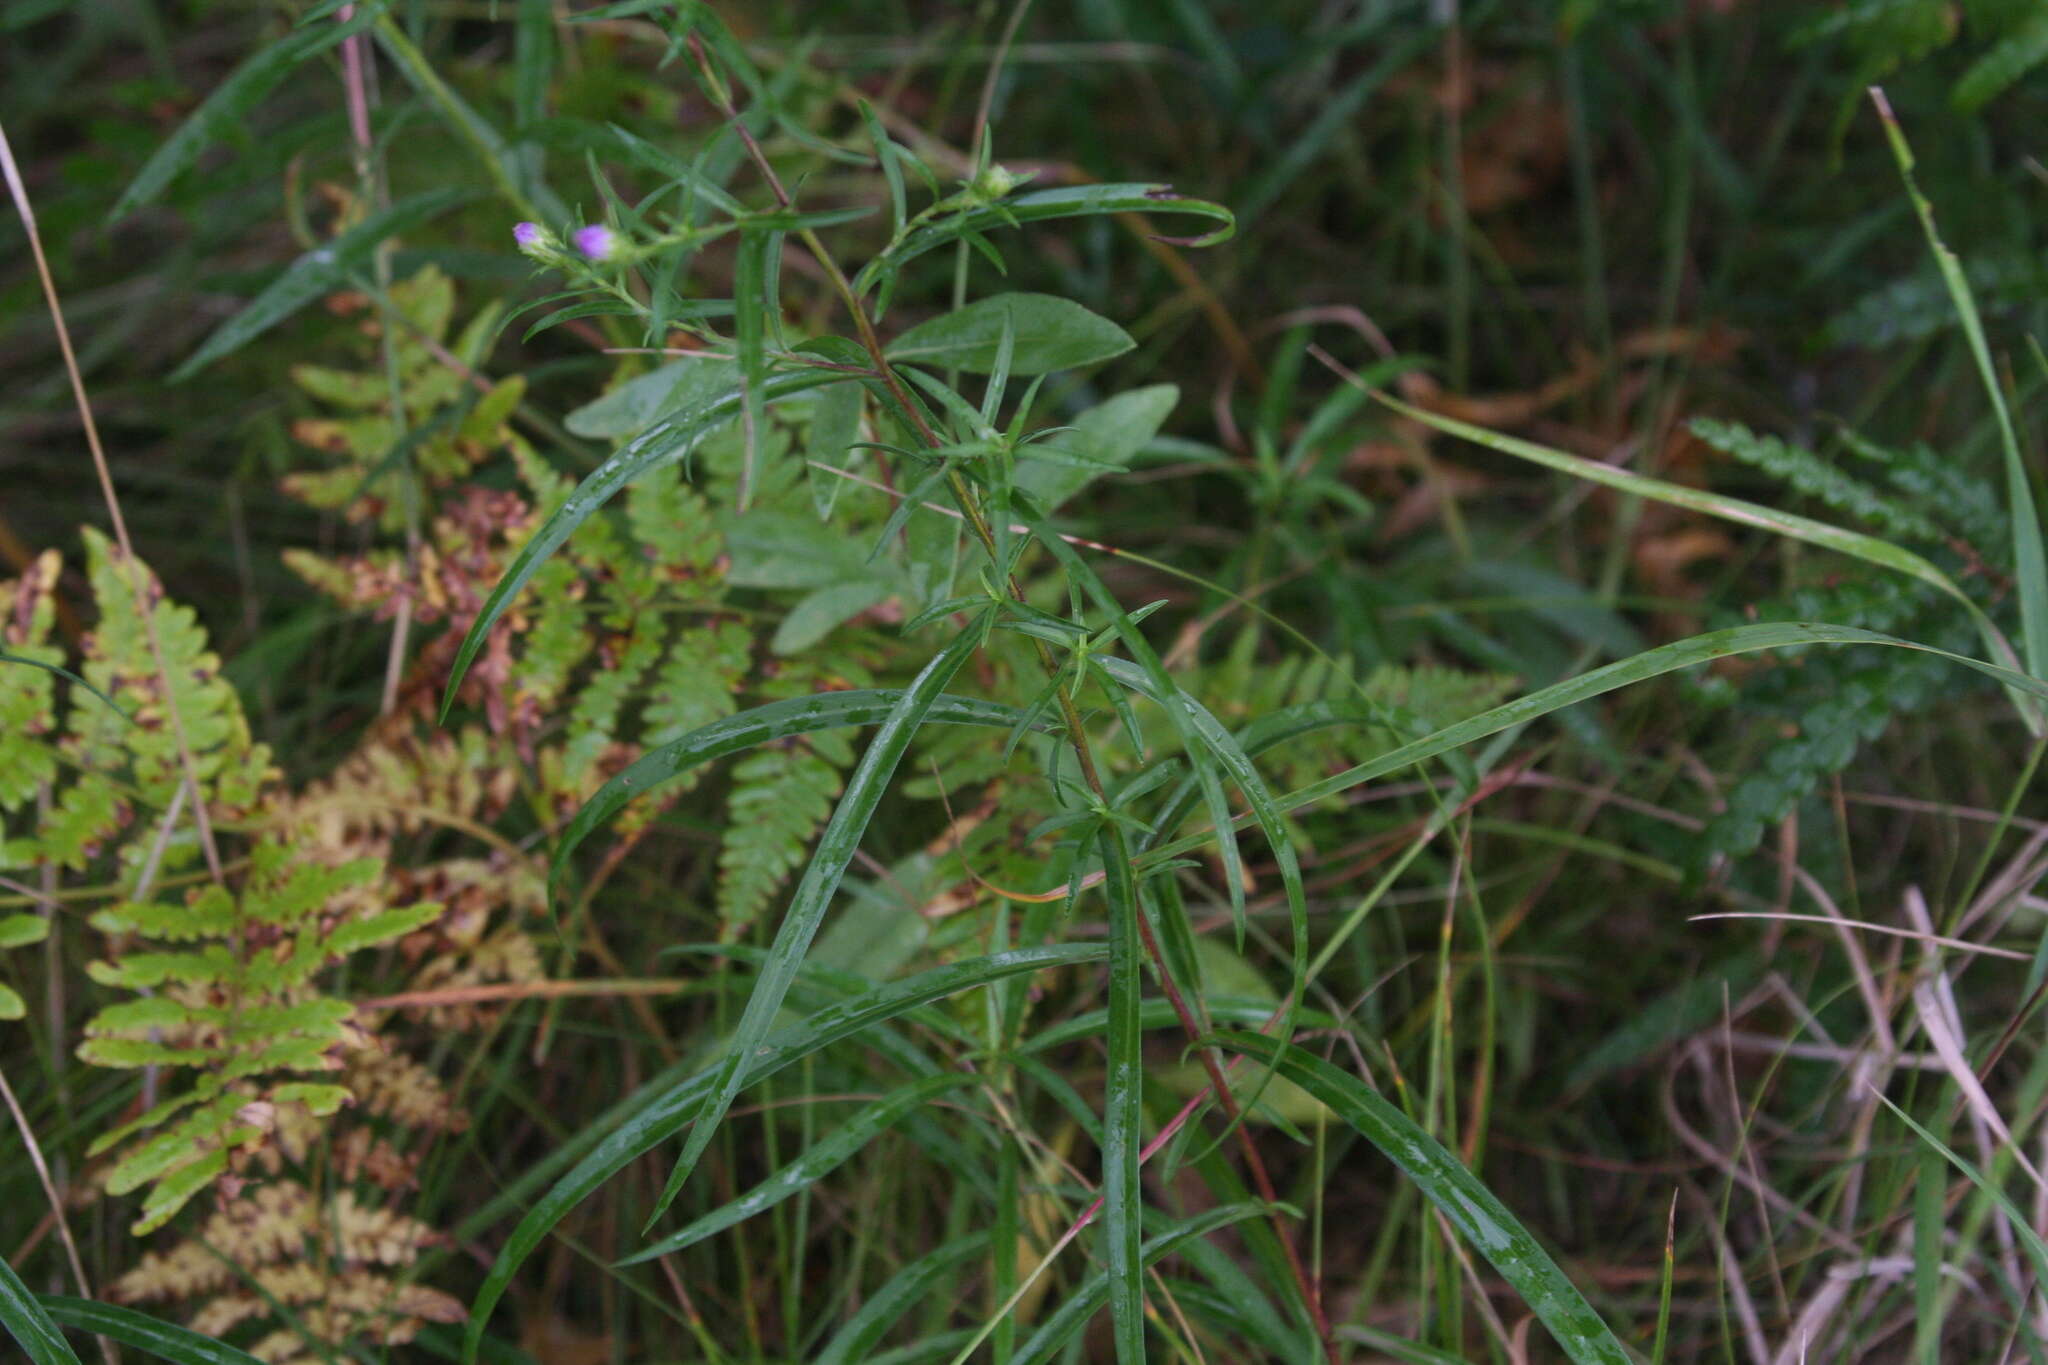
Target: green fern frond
(1806, 473)
(781, 797)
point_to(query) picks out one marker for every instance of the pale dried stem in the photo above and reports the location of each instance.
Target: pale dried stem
(130, 565)
(35, 1156)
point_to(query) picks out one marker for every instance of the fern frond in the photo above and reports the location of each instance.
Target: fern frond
(781, 797)
(1806, 473)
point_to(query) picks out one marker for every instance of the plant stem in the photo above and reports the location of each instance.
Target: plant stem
(1077, 735)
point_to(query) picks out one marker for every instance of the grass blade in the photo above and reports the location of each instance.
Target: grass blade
(674, 1103)
(1073, 1314)
(28, 1323)
(751, 300)
(761, 725)
(315, 273)
(815, 890)
(669, 440)
(227, 109)
(855, 1342)
(1123, 1106)
(164, 1340)
(1651, 663)
(1855, 544)
(818, 1160)
(1469, 1206)
(1201, 733)
(2037, 1249)
(2030, 566)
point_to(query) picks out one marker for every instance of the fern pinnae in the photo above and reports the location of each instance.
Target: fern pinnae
(1806, 473)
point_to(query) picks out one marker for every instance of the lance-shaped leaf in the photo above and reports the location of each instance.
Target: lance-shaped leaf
(668, 440)
(1651, 663)
(761, 725)
(164, 1340)
(27, 1322)
(1073, 1314)
(1466, 1204)
(1046, 333)
(814, 892)
(905, 1290)
(820, 1159)
(315, 273)
(1123, 1106)
(227, 109)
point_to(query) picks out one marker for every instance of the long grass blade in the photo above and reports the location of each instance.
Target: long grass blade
(313, 274)
(1466, 1203)
(1073, 1313)
(225, 112)
(29, 1323)
(855, 1342)
(814, 892)
(820, 1159)
(2030, 563)
(2037, 1249)
(1123, 1106)
(164, 1340)
(1651, 663)
(1855, 544)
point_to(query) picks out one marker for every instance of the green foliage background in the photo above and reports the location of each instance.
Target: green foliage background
(1025, 675)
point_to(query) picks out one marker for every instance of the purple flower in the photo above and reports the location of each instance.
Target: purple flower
(597, 243)
(528, 235)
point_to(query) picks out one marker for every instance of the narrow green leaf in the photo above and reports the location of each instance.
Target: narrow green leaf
(820, 1159)
(667, 1105)
(317, 272)
(1853, 543)
(2010, 58)
(2037, 1249)
(749, 729)
(164, 1340)
(1123, 1106)
(2030, 561)
(227, 109)
(1036, 206)
(1111, 432)
(885, 157)
(906, 1289)
(1467, 1204)
(1073, 1314)
(1048, 333)
(751, 300)
(814, 892)
(824, 610)
(1202, 734)
(668, 440)
(1856, 544)
(533, 61)
(28, 1323)
(1651, 663)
